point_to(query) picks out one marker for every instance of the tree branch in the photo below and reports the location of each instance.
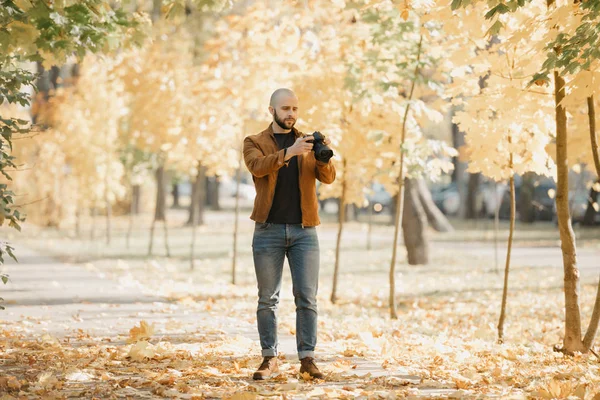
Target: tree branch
(592, 329)
(33, 202)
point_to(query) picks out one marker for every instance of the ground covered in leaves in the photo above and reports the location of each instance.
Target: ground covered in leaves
(200, 341)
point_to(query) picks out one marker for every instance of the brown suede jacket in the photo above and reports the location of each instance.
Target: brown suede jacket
(264, 159)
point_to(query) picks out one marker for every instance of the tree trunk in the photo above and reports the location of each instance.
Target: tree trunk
(78, 221)
(46, 83)
(161, 197)
(338, 245)
(458, 140)
(460, 168)
(393, 209)
(175, 193)
(398, 218)
(201, 196)
(471, 206)
(590, 213)
(93, 230)
(237, 214)
(156, 10)
(593, 138)
(107, 198)
(589, 219)
(193, 207)
(350, 212)
(136, 195)
(370, 226)
(496, 227)
(194, 216)
(213, 193)
(414, 225)
(134, 208)
(196, 210)
(150, 246)
(435, 217)
(400, 198)
(513, 210)
(590, 335)
(572, 340)
(525, 206)
(129, 229)
(108, 221)
(159, 210)
(166, 232)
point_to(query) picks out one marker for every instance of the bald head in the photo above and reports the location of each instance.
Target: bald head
(280, 94)
(284, 109)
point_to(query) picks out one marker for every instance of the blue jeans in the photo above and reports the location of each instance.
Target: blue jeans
(270, 244)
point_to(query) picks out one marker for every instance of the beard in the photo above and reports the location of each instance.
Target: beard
(284, 124)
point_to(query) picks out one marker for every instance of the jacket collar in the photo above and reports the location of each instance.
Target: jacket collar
(269, 131)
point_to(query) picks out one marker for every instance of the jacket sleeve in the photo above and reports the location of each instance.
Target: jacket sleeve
(258, 164)
(325, 172)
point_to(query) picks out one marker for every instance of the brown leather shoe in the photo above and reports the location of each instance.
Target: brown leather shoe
(308, 365)
(268, 367)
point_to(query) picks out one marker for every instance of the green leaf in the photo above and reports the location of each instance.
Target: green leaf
(499, 9)
(539, 79)
(495, 28)
(9, 250)
(456, 4)
(15, 225)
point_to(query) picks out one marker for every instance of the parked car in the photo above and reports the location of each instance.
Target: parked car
(543, 201)
(380, 199)
(578, 203)
(229, 187)
(447, 199)
(533, 203)
(492, 194)
(330, 206)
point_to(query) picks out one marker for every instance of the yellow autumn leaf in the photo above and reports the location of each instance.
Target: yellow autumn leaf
(142, 332)
(246, 395)
(23, 35)
(462, 382)
(350, 353)
(24, 5)
(50, 340)
(79, 376)
(10, 382)
(47, 380)
(306, 376)
(141, 351)
(404, 14)
(316, 392)
(289, 386)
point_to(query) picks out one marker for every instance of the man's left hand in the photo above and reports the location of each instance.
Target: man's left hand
(326, 142)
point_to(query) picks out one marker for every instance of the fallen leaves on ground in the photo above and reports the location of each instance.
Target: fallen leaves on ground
(142, 332)
(442, 345)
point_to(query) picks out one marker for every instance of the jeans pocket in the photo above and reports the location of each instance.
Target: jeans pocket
(262, 226)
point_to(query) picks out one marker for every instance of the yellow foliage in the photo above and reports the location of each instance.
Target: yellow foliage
(142, 332)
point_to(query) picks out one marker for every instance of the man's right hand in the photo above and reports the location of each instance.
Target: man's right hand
(300, 146)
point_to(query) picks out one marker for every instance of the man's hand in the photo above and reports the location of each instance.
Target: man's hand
(301, 146)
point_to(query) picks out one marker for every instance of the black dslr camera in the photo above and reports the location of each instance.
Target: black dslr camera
(322, 152)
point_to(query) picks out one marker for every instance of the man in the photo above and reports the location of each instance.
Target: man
(284, 170)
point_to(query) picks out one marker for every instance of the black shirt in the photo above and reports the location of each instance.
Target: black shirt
(286, 202)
